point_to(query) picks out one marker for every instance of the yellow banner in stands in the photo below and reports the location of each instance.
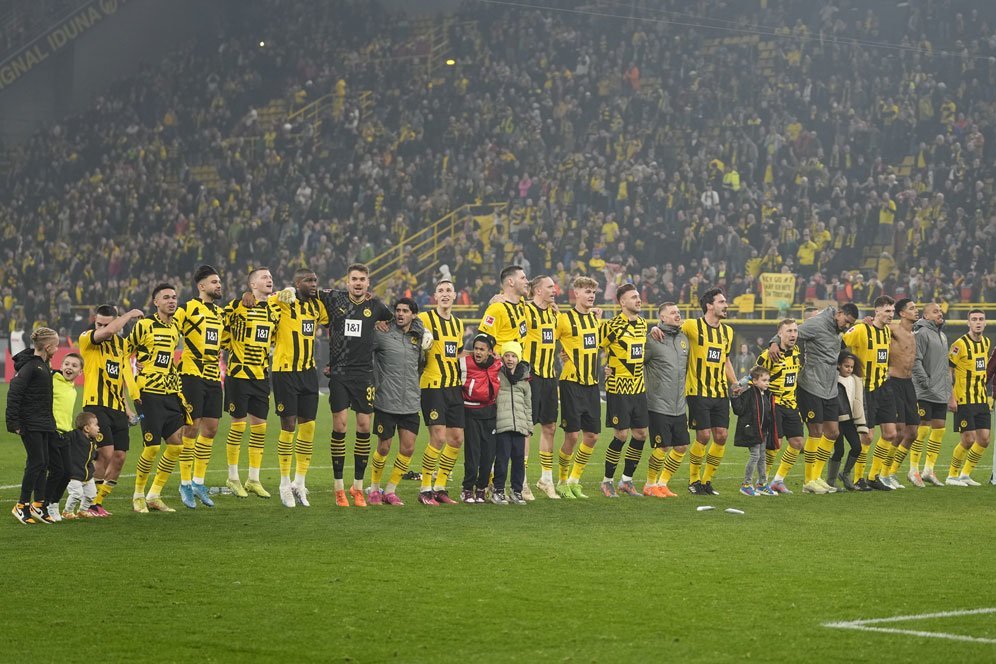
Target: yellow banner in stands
(777, 289)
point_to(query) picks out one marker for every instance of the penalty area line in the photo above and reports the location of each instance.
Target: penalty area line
(870, 625)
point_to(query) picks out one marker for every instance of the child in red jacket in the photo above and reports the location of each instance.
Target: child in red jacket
(479, 373)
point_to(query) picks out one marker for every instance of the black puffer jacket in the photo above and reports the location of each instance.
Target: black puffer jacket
(29, 399)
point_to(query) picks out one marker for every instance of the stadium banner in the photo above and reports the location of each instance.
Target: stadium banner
(777, 289)
(55, 39)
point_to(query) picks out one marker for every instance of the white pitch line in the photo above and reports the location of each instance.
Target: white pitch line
(865, 625)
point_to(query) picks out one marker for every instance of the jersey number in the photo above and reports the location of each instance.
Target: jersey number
(354, 328)
(590, 341)
(883, 355)
(450, 348)
(262, 335)
(371, 393)
(308, 328)
(547, 337)
(713, 355)
(211, 337)
(113, 369)
(163, 359)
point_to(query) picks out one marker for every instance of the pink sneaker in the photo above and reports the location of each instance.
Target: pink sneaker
(392, 499)
(426, 498)
(375, 497)
(98, 510)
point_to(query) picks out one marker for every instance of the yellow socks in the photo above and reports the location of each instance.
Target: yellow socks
(144, 467)
(401, 463)
(916, 451)
(202, 457)
(696, 453)
(890, 454)
(809, 457)
(713, 460)
(167, 462)
(824, 450)
(104, 490)
(304, 450)
(285, 452)
(789, 457)
(546, 461)
(972, 458)
(430, 458)
(672, 462)
(898, 458)
(563, 465)
(447, 459)
(655, 465)
(187, 459)
(770, 456)
(862, 460)
(933, 448)
(879, 456)
(581, 459)
(257, 438)
(233, 444)
(378, 463)
(957, 460)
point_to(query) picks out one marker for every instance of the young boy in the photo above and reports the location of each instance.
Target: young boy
(63, 406)
(82, 453)
(756, 429)
(514, 422)
(479, 374)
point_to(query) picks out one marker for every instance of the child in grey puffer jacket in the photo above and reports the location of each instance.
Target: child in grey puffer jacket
(514, 423)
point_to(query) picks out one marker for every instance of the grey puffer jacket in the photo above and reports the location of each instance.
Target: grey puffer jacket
(515, 401)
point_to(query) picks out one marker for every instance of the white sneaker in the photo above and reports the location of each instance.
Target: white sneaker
(527, 493)
(300, 493)
(823, 483)
(813, 487)
(53, 511)
(968, 481)
(914, 477)
(893, 482)
(928, 476)
(287, 496)
(954, 481)
(548, 488)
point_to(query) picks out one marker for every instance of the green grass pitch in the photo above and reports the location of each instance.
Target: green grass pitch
(579, 581)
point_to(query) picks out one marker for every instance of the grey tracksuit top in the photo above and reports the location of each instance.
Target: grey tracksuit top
(931, 377)
(396, 369)
(664, 366)
(821, 348)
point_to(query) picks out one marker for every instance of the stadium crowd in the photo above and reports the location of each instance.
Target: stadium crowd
(610, 139)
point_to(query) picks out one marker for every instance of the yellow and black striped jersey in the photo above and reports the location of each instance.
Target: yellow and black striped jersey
(968, 360)
(541, 340)
(249, 334)
(442, 365)
(870, 345)
(294, 341)
(201, 324)
(708, 349)
(505, 322)
(153, 343)
(784, 375)
(624, 341)
(581, 338)
(106, 371)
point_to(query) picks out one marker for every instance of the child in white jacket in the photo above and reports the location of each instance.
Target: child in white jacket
(850, 391)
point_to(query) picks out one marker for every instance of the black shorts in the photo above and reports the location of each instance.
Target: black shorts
(113, 427)
(443, 406)
(880, 406)
(545, 399)
(708, 412)
(972, 417)
(815, 410)
(626, 411)
(162, 416)
(385, 424)
(247, 396)
(905, 397)
(668, 430)
(296, 393)
(789, 423)
(203, 397)
(580, 408)
(355, 391)
(932, 410)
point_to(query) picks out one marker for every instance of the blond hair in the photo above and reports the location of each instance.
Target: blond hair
(43, 335)
(581, 281)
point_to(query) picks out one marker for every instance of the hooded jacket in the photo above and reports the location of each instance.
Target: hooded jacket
(756, 422)
(480, 386)
(29, 398)
(931, 377)
(515, 401)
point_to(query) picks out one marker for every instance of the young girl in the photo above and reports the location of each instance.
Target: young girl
(514, 423)
(756, 430)
(852, 422)
(82, 452)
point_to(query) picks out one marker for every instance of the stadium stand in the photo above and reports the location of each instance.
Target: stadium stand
(674, 147)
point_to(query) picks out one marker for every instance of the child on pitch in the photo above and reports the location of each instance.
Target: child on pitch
(479, 374)
(82, 453)
(850, 396)
(756, 430)
(514, 422)
(63, 405)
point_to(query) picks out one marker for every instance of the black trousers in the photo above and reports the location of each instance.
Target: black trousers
(849, 431)
(510, 446)
(36, 445)
(478, 452)
(58, 468)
